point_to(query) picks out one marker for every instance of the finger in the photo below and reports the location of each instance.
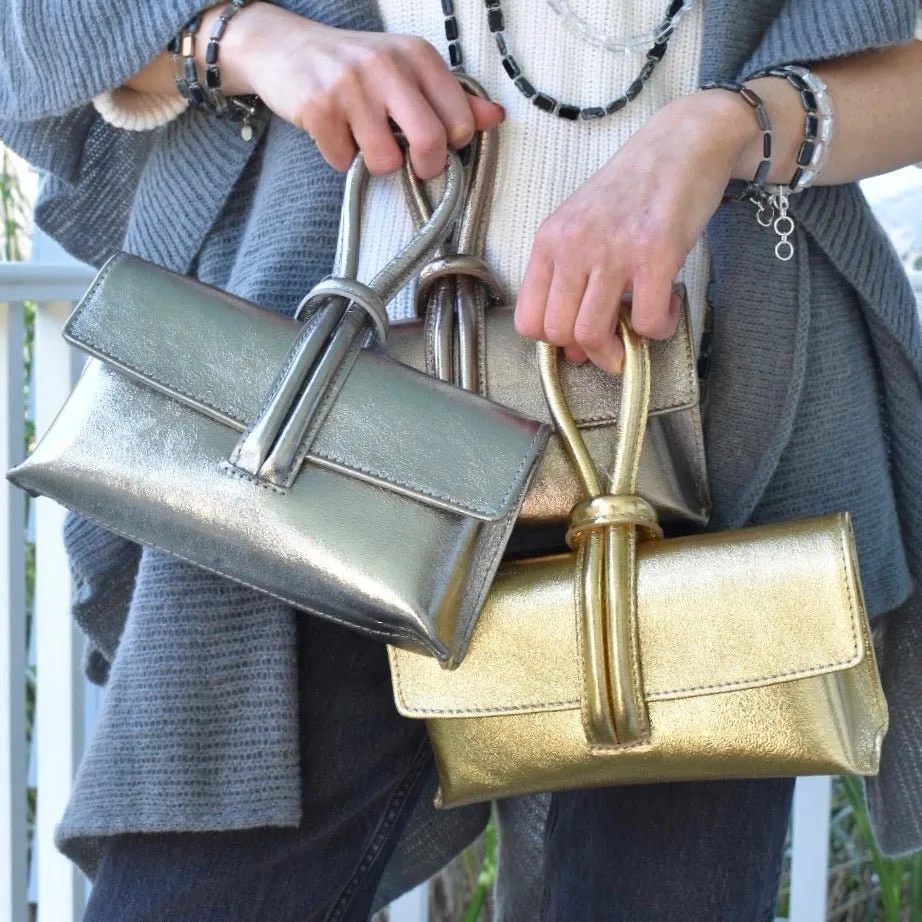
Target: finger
(653, 311)
(599, 310)
(375, 138)
(596, 328)
(532, 301)
(336, 144)
(422, 127)
(487, 114)
(566, 293)
(450, 103)
(575, 355)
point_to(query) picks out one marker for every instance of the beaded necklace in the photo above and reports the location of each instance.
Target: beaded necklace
(578, 25)
(496, 20)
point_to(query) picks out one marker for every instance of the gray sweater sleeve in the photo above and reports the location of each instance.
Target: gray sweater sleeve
(820, 28)
(56, 56)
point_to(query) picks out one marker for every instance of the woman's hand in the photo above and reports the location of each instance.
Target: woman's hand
(631, 226)
(341, 87)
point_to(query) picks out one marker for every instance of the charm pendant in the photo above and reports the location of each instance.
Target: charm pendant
(773, 212)
(784, 227)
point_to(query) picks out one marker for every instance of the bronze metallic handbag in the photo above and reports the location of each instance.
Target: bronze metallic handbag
(465, 334)
(286, 456)
(636, 659)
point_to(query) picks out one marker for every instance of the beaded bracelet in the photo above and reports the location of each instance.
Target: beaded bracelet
(757, 184)
(773, 207)
(818, 122)
(234, 107)
(182, 54)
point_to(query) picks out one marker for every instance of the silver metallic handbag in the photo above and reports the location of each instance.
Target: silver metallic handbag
(286, 456)
(465, 334)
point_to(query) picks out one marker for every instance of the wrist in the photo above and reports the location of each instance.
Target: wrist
(243, 34)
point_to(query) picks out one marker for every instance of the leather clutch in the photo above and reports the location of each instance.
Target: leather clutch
(736, 655)
(286, 456)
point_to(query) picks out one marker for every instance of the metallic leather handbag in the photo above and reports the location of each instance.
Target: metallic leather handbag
(636, 659)
(286, 456)
(465, 334)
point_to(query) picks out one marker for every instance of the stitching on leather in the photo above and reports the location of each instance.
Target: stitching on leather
(386, 636)
(330, 395)
(853, 659)
(293, 351)
(636, 681)
(444, 497)
(579, 596)
(90, 295)
(120, 362)
(227, 468)
(465, 712)
(332, 458)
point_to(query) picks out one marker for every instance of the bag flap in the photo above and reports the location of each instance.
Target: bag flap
(220, 355)
(594, 396)
(716, 613)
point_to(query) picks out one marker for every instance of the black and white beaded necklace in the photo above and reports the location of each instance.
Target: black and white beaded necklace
(496, 20)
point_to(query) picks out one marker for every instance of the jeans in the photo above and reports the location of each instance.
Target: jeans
(666, 852)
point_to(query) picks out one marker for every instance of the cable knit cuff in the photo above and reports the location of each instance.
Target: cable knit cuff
(133, 111)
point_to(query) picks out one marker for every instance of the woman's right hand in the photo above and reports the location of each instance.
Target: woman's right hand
(341, 87)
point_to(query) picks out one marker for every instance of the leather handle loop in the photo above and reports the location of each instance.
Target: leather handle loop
(274, 446)
(448, 294)
(604, 531)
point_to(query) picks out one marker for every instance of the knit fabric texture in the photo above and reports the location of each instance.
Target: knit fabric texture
(814, 394)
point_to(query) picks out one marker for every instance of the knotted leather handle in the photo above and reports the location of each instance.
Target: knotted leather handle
(273, 448)
(447, 291)
(604, 533)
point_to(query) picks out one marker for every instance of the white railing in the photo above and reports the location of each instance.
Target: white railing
(64, 703)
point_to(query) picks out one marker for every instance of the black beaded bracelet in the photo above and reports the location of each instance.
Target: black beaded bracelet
(237, 108)
(811, 119)
(755, 188)
(182, 53)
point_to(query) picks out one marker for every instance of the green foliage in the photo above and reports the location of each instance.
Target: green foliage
(485, 879)
(14, 209)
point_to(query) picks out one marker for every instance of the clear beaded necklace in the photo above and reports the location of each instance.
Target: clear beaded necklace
(496, 20)
(581, 27)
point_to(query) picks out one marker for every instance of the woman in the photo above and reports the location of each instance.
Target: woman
(203, 795)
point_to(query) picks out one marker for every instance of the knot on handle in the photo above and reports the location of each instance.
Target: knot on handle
(607, 511)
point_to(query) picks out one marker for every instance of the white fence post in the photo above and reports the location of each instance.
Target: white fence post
(412, 906)
(59, 706)
(13, 831)
(810, 849)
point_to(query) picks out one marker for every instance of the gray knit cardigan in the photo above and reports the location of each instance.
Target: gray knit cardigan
(815, 401)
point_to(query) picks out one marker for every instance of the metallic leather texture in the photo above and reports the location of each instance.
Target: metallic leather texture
(465, 337)
(405, 492)
(673, 473)
(734, 655)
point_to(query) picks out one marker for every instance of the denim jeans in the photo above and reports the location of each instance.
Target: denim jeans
(667, 852)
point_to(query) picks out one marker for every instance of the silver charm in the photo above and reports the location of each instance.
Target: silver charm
(784, 227)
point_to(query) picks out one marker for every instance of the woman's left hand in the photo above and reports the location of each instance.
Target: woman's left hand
(630, 228)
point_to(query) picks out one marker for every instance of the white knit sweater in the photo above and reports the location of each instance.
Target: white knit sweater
(542, 158)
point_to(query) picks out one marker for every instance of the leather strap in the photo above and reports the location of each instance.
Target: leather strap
(604, 532)
(273, 448)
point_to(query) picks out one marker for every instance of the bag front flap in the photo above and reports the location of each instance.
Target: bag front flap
(220, 355)
(716, 613)
(593, 395)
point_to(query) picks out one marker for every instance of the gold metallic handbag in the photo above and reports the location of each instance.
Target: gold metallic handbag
(636, 659)
(287, 456)
(462, 336)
